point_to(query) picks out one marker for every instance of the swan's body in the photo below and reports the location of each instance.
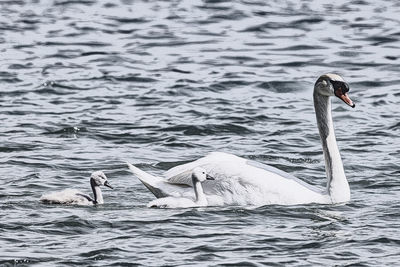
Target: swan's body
(199, 175)
(73, 196)
(241, 181)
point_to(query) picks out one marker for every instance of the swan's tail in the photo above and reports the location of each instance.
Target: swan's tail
(153, 183)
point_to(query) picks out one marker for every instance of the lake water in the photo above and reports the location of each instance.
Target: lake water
(88, 85)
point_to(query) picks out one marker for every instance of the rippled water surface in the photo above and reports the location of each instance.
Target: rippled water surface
(88, 85)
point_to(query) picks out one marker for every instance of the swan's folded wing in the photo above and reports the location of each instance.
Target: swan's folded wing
(67, 196)
(242, 181)
(85, 196)
(183, 178)
(225, 166)
(182, 174)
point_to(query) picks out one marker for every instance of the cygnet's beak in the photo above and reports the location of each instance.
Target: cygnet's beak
(108, 185)
(209, 177)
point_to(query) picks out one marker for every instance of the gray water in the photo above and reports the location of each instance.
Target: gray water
(88, 85)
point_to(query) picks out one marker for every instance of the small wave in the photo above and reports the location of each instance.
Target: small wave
(284, 87)
(131, 78)
(208, 129)
(67, 131)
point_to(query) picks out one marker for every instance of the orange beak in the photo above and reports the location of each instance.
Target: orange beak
(344, 96)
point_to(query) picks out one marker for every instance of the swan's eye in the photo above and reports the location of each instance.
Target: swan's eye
(341, 86)
(345, 88)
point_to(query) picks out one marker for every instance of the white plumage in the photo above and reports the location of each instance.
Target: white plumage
(198, 175)
(75, 197)
(239, 181)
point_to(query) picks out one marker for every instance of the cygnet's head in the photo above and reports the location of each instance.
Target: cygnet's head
(333, 85)
(99, 178)
(200, 174)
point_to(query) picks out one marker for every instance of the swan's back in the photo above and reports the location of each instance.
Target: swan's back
(241, 181)
(182, 174)
(67, 196)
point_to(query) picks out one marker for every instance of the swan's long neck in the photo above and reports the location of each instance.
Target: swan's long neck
(198, 190)
(337, 185)
(97, 195)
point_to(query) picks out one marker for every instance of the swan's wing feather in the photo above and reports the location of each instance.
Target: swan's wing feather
(182, 174)
(224, 167)
(218, 164)
(270, 169)
(67, 196)
(282, 174)
(183, 178)
(242, 181)
(89, 198)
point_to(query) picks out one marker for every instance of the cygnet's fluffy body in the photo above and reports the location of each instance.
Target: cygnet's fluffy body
(75, 197)
(199, 175)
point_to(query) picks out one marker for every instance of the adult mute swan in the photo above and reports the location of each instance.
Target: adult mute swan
(73, 196)
(199, 175)
(240, 181)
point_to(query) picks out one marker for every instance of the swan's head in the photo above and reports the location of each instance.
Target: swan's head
(333, 85)
(99, 178)
(200, 174)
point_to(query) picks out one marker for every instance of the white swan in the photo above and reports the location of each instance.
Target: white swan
(245, 182)
(73, 196)
(199, 175)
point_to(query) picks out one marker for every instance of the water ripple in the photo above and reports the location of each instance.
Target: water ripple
(89, 85)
